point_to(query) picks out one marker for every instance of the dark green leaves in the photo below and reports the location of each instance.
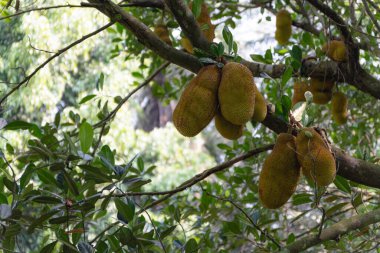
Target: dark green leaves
(87, 98)
(296, 54)
(86, 136)
(22, 125)
(126, 210)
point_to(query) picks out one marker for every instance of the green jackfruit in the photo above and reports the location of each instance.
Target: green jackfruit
(237, 93)
(280, 173)
(339, 106)
(283, 27)
(299, 90)
(336, 50)
(227, 129)
(260, 111)
(317, 162)
(163, 33)
(198, 103)
(322, 90)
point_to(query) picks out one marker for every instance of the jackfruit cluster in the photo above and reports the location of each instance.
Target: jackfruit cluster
(283, 27)
(335, 50)
(208, 29)
(339, 108)
(163, 33)
(299, 89)
(280, 173)
(228, 94)
(317, 162)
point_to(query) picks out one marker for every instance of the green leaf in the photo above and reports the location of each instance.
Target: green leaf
(22, 125)
(62, 219)
(107, 157)
(167, 232)
(191, 246)
(228, 38)
(299, 199)
(49, 248)
(71, 184)
(96, 174)
(41, 219)
(100, 82)
(127, 210)
(47, 200)
(286, 76)
(87, 98)
(196, 8)
(342, 184)
(86, 136)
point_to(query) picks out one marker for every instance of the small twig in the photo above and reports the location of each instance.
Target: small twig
(99, 139)
(249, 218)
(155, 230)
(371, 16)
(103, 231)
(42, 50)
(322, 221)
(44, 8)
(27, 78)
(125, 99)
(205, 174)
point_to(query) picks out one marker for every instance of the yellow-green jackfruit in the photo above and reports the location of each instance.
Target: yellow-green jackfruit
(260, 111)
(226, 128)
(163, 33)
(283, 27)
(198, 103)
(336, 50)
(208, 29)
(322, 90)
(237, 93)
(299, 90)
(280, 173)
(317, 162)
(339, 106)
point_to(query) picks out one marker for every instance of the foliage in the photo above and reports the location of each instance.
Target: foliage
(76, 176)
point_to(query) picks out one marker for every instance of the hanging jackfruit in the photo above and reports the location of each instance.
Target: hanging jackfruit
(335, 50)
(283, 27)
(227, 129)
(339, 105)
(163, 33)
(208, 29)
(237, 93)
(198, 103)
(260, 111)
(322, 90)
(317, 162)
(299, 90)
(279, 176)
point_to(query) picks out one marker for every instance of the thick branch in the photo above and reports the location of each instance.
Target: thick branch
(61, 51)
(336, 230)
(145, 3)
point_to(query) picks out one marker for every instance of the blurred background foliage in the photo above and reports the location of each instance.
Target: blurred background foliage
(142, 151)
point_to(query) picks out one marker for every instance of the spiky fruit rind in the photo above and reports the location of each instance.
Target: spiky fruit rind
(280, 173)
(317, 162)
(282, 35)
(339, 106)
(321, 98)
(299, 90)
(322, 90)
(336, 50)
(198, 103)
(237, 93)
(227, 129)
(260, 111)
(283, 19)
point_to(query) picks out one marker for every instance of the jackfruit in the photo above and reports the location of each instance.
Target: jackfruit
(208, 29)
(283, 27)
(282, 35)
(260, 111)
(335, 50)
(198, 103)
(279, 176)
(227, 129)
(322, 90)
(283, 19)
(299, 90)
(237, 93)
(339, 105)
(163, 33)
(317, 162)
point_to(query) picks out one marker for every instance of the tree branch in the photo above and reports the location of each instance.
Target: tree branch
(335, 231)
(42, 9)
(61, 51)
(371, 16)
